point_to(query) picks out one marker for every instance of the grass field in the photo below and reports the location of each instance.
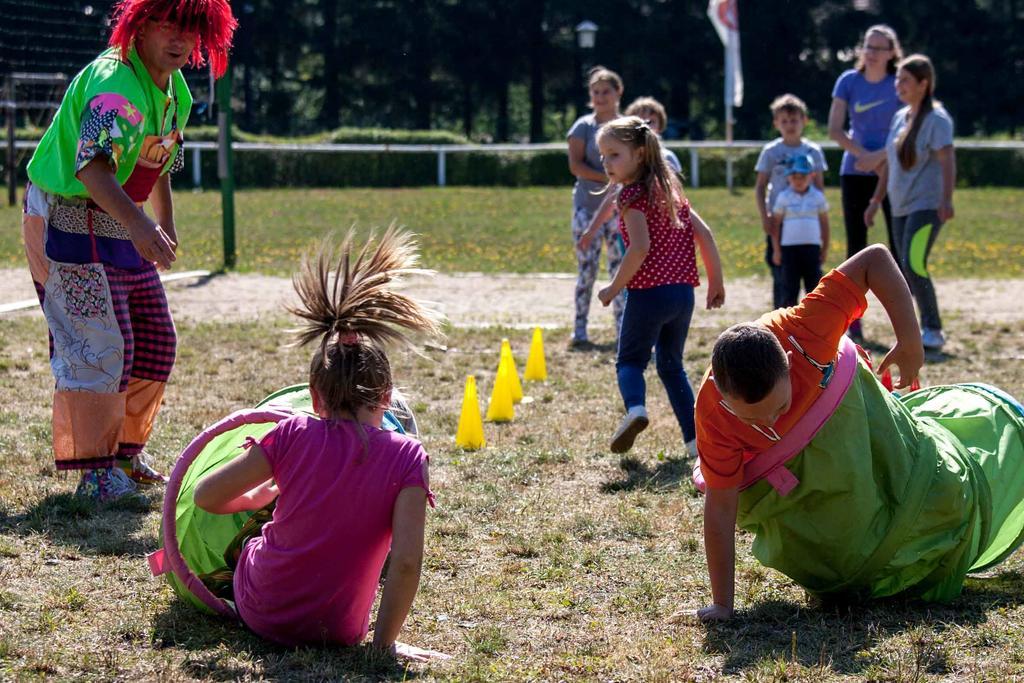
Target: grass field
(547, 558)
(527, 230)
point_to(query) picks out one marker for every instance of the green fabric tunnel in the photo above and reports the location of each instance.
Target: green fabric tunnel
(199, 537)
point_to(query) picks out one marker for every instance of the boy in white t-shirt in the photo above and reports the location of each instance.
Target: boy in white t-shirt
(800, 216)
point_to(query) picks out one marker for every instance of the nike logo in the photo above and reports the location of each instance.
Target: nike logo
(860, 108)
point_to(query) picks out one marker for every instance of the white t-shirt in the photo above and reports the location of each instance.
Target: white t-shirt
(773, 160)
(800, 215)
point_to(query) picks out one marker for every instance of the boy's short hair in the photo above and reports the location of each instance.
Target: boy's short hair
(789, 104)
(747, 362)
(649, 104)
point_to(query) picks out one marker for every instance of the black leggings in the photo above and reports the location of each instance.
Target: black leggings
(857, 191)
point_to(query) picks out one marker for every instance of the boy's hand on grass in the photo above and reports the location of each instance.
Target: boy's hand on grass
(714, 613)
(606, 295)
(824, 255)
(704, 614)
(908, 358)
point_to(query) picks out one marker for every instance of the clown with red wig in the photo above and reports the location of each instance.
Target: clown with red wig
(93, 251)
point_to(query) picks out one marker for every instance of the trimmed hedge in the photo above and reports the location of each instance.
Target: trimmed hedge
(975, 168)
(354, 136)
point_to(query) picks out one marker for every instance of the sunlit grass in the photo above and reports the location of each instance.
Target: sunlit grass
(527, 229)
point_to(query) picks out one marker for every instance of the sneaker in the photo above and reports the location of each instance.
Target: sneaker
(108, 484)
(932, 339)
(691, 448)
(140, 471)
(632, 424)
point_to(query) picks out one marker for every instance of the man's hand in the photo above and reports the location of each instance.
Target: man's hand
(777, 256)
(153, 244)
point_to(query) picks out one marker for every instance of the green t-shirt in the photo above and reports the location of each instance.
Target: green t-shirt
(112, 108)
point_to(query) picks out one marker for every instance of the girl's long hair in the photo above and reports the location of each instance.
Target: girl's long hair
(211, 20)
(350, 308)
(660, 182)
(889, 33)
(920, 67)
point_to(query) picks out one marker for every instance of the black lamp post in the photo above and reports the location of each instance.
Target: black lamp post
(586, 37)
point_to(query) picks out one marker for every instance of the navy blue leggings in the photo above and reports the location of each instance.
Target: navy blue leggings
(657, 318)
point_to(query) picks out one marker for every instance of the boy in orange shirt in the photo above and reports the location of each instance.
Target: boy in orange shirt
(898, 501)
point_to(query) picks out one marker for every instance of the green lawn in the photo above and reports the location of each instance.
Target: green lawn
(547, 558)
(527, 230)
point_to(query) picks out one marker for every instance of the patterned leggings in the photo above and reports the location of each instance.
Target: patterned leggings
(587, 263)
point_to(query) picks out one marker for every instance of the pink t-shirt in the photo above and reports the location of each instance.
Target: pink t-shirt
(672, 258)
(312, 575)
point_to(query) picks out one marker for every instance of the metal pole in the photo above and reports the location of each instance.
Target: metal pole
(441, 175)
(694, 167)
(225, 167)
(729, 86)
(12, 158)
(197, 168)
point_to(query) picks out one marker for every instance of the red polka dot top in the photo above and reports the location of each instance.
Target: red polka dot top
(672, 258)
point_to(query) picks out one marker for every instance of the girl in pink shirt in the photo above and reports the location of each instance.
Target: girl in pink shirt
(659, 272)
(347, 491)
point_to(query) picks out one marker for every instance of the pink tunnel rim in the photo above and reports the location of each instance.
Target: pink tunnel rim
(169, 524)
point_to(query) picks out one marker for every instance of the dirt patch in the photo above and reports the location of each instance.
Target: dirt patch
(481, 300)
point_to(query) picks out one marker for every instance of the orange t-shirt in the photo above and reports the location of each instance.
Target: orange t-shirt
(724, 442)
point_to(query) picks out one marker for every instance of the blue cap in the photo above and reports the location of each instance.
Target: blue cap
(799, 163)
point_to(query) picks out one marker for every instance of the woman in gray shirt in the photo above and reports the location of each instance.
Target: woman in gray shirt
(605, 87)
(919, 176)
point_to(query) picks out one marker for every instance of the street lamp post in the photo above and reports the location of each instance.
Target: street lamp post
(586, 38)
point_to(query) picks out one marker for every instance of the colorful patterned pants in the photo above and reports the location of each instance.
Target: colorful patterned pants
(112, 347)
(587, 262)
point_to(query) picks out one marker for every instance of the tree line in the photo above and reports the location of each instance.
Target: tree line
(513, 71)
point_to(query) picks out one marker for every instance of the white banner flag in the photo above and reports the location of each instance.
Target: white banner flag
(724, 15)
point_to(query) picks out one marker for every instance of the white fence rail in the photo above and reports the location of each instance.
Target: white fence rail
(442, 151)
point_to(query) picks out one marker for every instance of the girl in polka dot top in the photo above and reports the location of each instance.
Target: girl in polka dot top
(658, 271)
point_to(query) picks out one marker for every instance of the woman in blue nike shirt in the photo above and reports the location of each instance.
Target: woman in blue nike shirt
(867, 95)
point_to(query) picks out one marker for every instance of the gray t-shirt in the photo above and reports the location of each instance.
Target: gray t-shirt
(773, 160)
(918, 188)
(585, 129)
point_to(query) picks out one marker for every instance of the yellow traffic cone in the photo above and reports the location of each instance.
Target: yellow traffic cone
(470, 434)
(536, 369)
(500, 408)
(513, 372)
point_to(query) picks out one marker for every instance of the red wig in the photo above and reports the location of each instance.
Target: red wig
(211, 21)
